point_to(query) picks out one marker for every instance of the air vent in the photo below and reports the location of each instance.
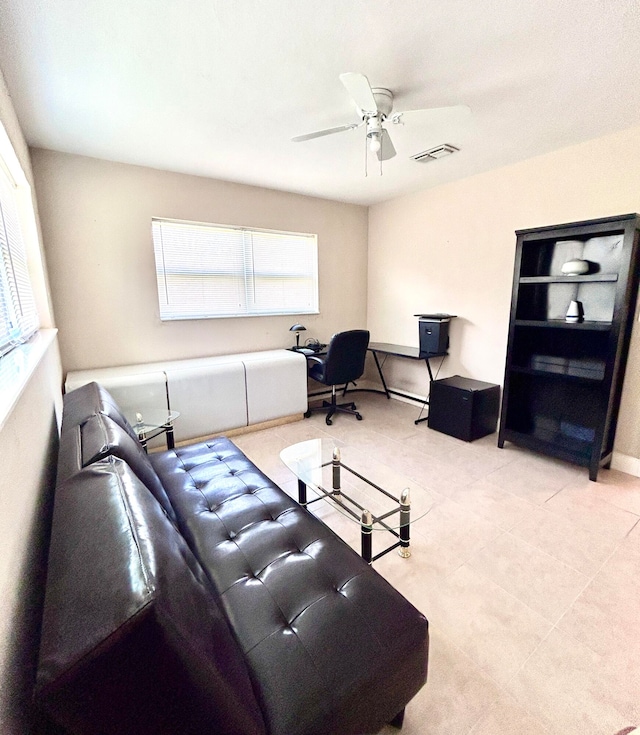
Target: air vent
(433, 154)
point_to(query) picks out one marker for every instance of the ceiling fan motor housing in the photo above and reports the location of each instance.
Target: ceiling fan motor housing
(384, 101)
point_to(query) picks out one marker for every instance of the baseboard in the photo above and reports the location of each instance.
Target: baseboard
(237, 432)
(412, 398)
(626, 463)
(418, 401)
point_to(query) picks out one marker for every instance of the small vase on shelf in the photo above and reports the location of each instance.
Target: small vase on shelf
(575, 312)
(575, 267)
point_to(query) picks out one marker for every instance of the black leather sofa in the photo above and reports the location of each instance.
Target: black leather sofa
(187, 594)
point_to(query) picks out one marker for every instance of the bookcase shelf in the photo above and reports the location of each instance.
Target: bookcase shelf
(563, 380)
(562, 324)
(593, 278)
(551, 374)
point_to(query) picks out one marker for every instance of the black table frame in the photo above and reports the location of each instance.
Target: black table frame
(167, 429)
(364, 516)
(411, 353)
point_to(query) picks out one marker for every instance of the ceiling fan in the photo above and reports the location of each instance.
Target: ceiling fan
(374, 106)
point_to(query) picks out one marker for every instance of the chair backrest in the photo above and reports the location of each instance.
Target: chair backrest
(345, 356)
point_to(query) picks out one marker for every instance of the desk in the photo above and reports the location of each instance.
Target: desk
(411, 353)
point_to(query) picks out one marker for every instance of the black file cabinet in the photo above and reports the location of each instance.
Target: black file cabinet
(464, 408)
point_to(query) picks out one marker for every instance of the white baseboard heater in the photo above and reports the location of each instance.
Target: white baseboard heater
(212, 394)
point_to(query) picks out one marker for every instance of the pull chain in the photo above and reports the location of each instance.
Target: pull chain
(366, 156)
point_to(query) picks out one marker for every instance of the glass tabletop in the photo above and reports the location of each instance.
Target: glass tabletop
(365, 484)
(144, 422)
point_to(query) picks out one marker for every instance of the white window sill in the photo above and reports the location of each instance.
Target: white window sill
(18, 366)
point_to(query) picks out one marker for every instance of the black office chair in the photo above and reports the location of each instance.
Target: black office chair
(343, 363)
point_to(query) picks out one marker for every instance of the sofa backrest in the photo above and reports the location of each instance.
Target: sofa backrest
(101, 437)
(93, 428)
(79, 406)
(133, 639)
(89, 399)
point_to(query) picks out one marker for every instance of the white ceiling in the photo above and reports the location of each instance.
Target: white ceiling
(218, 87)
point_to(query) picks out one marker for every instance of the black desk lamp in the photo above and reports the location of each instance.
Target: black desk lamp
(297, 328)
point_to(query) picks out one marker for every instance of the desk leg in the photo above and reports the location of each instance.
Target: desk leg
(426, 359)
(171, 444)
(384, 384)
(426, 418)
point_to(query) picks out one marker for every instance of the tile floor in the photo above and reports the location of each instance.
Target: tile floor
(528, 573)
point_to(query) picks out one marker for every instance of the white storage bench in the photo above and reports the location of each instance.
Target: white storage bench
(212, 394)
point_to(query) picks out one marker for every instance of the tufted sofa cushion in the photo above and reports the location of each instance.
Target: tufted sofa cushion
(323, 634)
(133, 641)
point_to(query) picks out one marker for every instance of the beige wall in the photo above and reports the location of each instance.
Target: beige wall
(28, 447)
(451, 249)
(96, 220)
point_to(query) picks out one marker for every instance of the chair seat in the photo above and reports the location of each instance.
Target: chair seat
(343, 364)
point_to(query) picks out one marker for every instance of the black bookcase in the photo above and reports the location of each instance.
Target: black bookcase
(563, 380)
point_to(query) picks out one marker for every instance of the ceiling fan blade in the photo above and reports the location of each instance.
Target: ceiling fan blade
(387, 150)
(455, 111)
(321, 133)
(359, 88)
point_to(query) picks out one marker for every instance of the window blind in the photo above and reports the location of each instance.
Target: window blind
(207, 271)
(18, 315)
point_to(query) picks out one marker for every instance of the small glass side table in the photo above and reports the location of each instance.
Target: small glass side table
(154, 423)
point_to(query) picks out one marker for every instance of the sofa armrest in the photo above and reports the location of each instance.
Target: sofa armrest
(133, 641)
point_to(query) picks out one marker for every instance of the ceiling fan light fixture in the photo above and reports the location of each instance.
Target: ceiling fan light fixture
(374, 142)
(433, 154)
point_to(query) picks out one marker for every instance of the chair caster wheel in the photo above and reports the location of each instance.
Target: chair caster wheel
(307, 414)
(359, 417)
(328, 421)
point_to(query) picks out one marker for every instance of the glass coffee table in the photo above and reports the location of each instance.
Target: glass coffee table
(344, 476)
(153, 423)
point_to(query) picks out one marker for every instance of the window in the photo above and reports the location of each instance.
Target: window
(207, 271)
(18, 315)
